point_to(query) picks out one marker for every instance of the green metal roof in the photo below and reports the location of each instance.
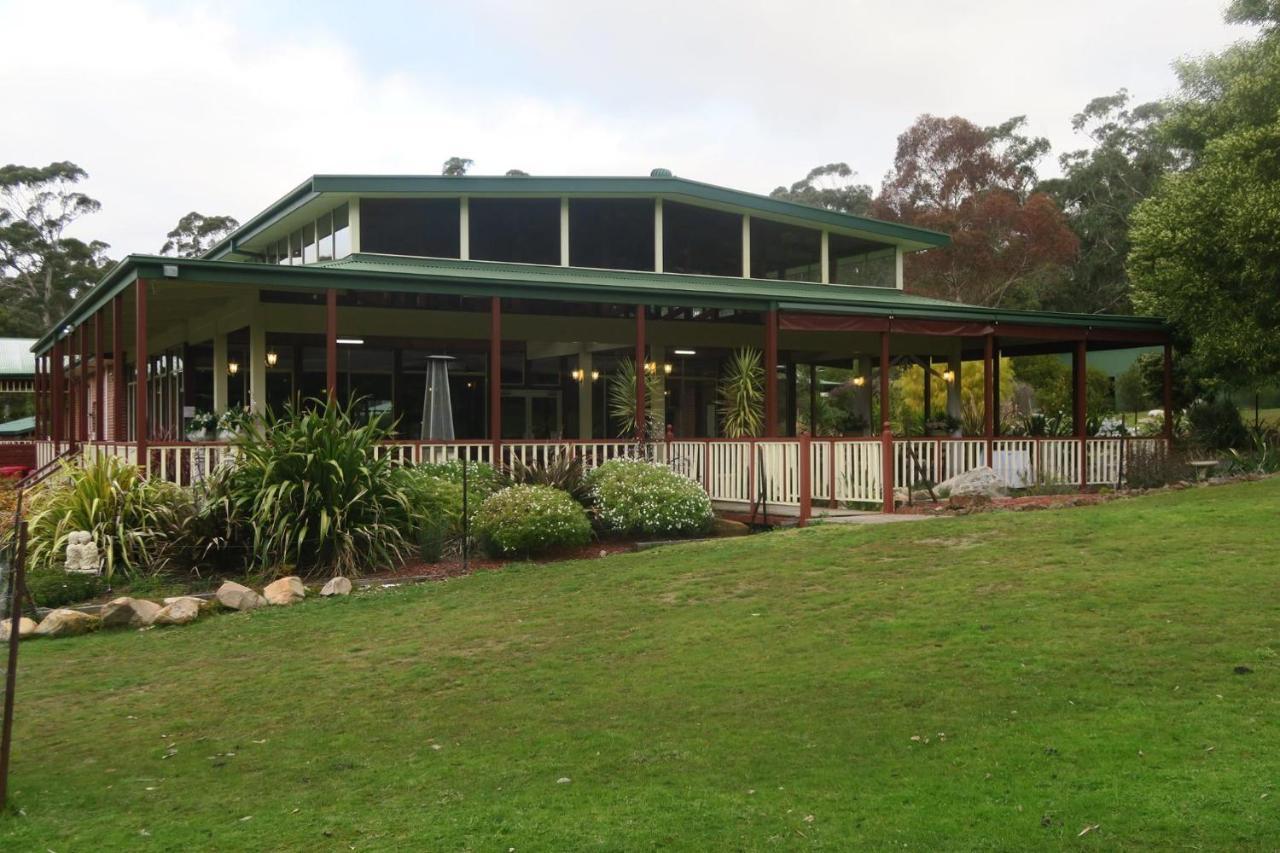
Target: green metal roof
(16, 358)
(20, 426)
(674, 188)
(486, 278)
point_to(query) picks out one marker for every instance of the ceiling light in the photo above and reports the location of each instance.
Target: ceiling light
(686, 352)
(351, 341)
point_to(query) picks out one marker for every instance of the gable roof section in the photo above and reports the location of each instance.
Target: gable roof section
(676, 189)
(487, 278)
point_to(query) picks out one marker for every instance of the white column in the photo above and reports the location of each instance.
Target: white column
(219, 371)
(257, 363)
(585, 386)
(953, 387)
(657, 235)
(353, 222)
(897, 267)
(746, 246)
(464, 228)
(826, 258)
(564, 232)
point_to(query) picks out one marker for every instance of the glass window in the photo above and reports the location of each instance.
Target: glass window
(295, 248)
(309, 243)
(701, 241)
(341, 232)
(518, 230)
(324, 237)
(282, 250)
(421, 227)
(861, 262)
(611, 233)
(784, 251)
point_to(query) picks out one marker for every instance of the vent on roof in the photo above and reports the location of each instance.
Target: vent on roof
(660, 173)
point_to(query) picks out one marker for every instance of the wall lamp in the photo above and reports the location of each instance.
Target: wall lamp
(578, 374)
(859, 381)
(948, 376)
(272, 358)
(233, 367)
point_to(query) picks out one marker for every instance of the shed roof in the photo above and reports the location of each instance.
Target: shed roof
(16, 357)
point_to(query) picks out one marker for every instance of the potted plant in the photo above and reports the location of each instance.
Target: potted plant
(232, 422)
(201, 425)
(942, 425)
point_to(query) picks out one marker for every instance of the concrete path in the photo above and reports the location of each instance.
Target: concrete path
(873, 518)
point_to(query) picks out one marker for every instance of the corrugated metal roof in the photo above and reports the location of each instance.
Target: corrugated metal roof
(21, 426)
(16, 358)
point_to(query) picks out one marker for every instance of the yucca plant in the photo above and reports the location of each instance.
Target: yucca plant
(139, 525)
(741, 395)
(311, 494)
(622, 400)
(563, 471)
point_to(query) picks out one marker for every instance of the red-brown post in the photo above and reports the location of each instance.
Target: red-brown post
(99, 378)
(141, 419)
(771, 373)
(331, 343)
(119, 393)
(82, 388)
(1168, 392)
(806, 482)
(58, 391)
(642, 418)
(495, 377)
(1080, 398)
(886, 431)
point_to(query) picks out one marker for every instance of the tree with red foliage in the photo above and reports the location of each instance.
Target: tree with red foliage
(976, 184)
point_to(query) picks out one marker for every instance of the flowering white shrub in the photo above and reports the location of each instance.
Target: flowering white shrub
(528, 520)
(636, 497)
(1112, 427)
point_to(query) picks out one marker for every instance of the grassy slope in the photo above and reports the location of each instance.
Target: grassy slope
(1079, 663)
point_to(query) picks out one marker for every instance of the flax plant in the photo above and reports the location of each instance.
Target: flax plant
(741, 395)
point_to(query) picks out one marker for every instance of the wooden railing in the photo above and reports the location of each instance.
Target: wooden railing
(743, 471)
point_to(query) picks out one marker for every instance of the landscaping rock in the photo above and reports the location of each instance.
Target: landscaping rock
(979, 481)
(285, 591)
(131, 612)
(729, 527)
(337, 586)
(236, 596)
(66, 623)
(202, 603)
(901, 495)
(26, 627)
(179, 612)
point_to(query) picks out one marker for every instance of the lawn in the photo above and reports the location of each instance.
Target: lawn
(990, 682)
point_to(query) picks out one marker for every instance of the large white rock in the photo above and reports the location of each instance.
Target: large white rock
(26, 627)
(978, 481)
(65, 623)
(285, 591)
(202, 603)
(180, 611)
(82, 554)
(131, 612)
(337, 586)
(236, 596)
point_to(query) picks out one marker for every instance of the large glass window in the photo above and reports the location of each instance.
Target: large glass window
(524, 230)
(785, 251)
(422, 227)
(341, 231)
(295, 247)
(611, 233)
(309, 243)
(324, 237)
(701, 241)
(861, 262)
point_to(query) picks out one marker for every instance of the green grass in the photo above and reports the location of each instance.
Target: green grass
(1061, 670)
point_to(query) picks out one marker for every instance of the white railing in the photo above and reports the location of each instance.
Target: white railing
(846, 471)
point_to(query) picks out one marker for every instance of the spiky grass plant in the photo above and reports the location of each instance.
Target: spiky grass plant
(622, 400)
(313, 497)
(139, 525)
(741, 395)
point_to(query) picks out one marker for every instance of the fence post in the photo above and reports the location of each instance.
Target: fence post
(16, 587)
(806, 481)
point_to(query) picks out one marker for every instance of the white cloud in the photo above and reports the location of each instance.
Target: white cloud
(175, 109)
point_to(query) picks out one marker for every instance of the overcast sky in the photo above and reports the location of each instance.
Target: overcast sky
(222, 107)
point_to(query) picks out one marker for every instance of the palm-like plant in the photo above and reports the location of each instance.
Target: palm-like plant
(741, 394)
(622, 400)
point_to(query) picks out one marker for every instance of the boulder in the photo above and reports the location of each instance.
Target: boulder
(901, 495)
(130, 612)
(179, 612)
(336, 586)
(26, 627)
(65, 623)
(285, 591)
(729, 527)
(202, 603)
(234, 596)
(979, 481)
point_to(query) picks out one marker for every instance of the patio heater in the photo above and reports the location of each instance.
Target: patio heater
(437, 408)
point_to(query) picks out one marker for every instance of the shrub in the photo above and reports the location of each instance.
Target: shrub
(482, 478)
(56, 588)
(527, 520)
(312, 495)
(564, 471)
(435, 509)
(1216, 424)
(1152, 469)
(634, 497)
(140, 526)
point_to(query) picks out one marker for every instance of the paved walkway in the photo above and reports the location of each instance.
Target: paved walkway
(872, 518)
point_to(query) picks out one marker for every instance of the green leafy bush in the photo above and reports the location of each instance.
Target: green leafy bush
(435, 509)
(526, 520)
(482, 478)
(632, 497)
(564, 471)
(308, 493)
(1216, 424)
(56, 588)
(140, 526)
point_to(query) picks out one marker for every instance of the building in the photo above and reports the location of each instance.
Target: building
(540, 289)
